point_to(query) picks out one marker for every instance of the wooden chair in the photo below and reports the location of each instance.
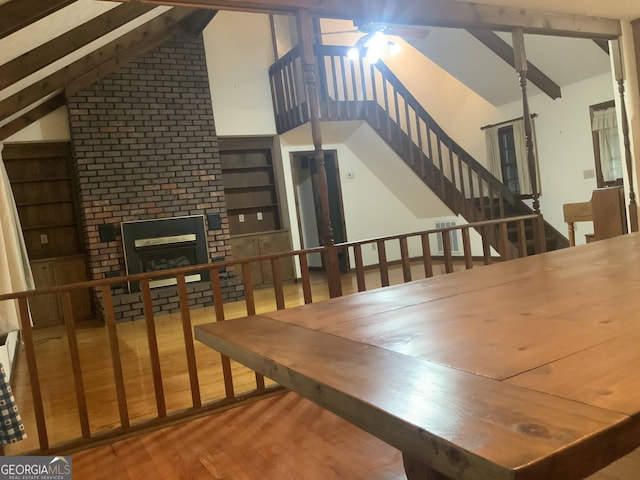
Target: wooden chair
(607, 211)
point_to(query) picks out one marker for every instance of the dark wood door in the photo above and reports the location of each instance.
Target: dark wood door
(336, 211)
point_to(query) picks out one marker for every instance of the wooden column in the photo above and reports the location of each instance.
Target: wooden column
(618, 71)
(520, 59)
(305, 37)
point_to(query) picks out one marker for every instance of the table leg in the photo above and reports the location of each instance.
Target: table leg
(416, 470)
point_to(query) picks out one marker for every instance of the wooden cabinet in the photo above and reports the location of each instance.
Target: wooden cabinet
(253, 205)
(245, 246)
(46, 310)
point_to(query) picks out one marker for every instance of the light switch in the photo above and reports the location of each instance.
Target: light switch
(241, 218)
(44, 239)
(259, 215)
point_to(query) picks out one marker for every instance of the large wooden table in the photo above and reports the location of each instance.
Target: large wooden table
(528, 369)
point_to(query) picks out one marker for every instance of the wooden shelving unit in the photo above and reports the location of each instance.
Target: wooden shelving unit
(254, 208)
(41, 180)
(41, 177)
(250, 190)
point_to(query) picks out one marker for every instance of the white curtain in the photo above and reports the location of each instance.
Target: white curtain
(605, 123)
(15, 271)
(493, 154)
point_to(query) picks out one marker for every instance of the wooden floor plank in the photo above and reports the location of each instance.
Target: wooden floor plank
(281, 438)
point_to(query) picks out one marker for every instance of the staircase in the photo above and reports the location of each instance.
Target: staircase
(355, 90)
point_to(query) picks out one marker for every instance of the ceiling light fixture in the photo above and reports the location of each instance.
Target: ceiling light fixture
(374, 46)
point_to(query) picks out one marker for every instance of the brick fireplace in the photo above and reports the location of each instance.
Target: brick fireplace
(145, 148)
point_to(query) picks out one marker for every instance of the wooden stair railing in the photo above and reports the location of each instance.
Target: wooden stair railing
(355, 90)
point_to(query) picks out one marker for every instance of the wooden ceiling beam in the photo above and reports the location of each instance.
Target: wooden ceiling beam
(18, 14)
(506, 53)
(40, 57)
(114, 51)
(32, 116)
(443, 13)
(197, 22)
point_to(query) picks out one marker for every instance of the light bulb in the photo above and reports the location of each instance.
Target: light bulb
(353, 53)
(372, 56)
(375, 47)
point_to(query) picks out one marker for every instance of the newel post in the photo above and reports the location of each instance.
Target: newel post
(618, 70)
(305, 36)
(520, 60)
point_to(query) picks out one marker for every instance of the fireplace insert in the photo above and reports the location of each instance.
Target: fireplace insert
(152, 245)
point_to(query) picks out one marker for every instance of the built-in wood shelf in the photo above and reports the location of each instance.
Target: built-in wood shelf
(250, 185)
(41, 177)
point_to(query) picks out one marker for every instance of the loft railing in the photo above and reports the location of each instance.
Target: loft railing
(117, 381)
(356, 90)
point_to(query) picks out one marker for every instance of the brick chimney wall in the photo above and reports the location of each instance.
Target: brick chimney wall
(145, 147)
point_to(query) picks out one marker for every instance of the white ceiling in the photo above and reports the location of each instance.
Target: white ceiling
(563, 60)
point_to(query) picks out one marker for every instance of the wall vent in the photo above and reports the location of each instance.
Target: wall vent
(453, 235)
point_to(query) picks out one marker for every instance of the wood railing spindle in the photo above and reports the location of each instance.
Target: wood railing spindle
(306, 279)
(187, 331)
(360, 280)
(278, 289)
(154, 353)
(466, 248)
(522, 239)
(76, 363)
(116, 359)
(426, 255)
(34, 379)
(225, 361)
(382, 262)
(406, 260)
(446, 251)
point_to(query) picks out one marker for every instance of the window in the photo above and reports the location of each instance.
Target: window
(606, 144)
(507, 155)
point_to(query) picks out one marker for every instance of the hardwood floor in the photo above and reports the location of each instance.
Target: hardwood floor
(282, 437)
(285, 437)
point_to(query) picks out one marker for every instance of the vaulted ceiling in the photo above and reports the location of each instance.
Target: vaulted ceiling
(52, 49)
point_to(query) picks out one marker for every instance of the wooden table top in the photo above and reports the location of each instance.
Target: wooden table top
(528, 369)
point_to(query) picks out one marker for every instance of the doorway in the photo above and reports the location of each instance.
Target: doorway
(305, 177)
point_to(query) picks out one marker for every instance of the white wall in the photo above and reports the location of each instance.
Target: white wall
(239, 53)
(53, 127)
(455, 107)
(565, 149)
(384, 197)
(381, 195)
